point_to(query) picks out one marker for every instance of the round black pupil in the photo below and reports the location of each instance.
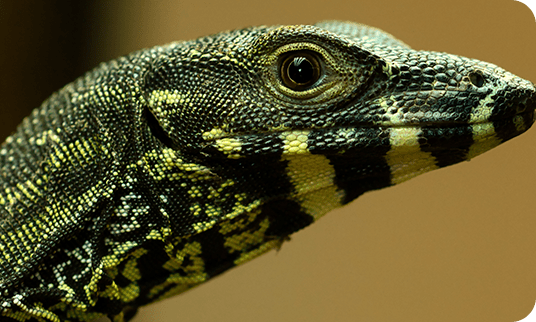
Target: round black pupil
(300, 70)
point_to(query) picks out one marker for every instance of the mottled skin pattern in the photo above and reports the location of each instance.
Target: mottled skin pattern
(161, 169)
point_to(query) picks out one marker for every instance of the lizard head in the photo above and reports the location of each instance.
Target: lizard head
(342, 106)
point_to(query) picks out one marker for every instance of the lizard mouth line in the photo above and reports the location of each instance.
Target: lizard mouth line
(429, 124)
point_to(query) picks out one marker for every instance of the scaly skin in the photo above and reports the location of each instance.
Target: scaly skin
(159, 170)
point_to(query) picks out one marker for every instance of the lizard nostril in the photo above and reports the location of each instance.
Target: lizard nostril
(477, 79)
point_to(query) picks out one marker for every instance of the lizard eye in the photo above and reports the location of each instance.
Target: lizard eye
(300, 70)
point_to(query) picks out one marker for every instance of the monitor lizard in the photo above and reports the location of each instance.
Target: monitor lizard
(161, 169)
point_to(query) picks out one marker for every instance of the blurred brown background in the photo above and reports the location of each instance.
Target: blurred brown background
(456, 244)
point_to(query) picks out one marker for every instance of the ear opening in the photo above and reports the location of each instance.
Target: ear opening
(156, 130)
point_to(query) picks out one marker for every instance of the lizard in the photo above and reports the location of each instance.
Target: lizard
(161, 169)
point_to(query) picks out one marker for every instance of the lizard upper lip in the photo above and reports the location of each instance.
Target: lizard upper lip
(521, 108)
(444, 124)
